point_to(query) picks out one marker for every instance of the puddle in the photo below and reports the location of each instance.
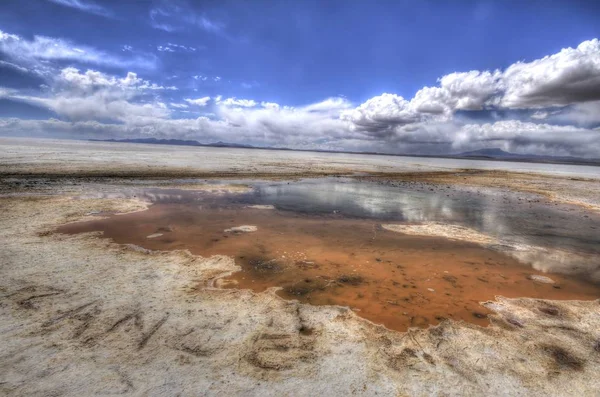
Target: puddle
(321, 242)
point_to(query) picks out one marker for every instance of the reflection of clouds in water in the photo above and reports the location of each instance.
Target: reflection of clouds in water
(546, 260)
(549, 260)
(520, 228)
(359, 199)
(467, 207)
(523, 229)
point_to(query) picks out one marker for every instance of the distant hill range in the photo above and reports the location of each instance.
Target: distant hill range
(499, 154)
(178, 142)
(495, 154)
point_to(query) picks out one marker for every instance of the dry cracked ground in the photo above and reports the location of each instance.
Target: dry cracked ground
(81, 315)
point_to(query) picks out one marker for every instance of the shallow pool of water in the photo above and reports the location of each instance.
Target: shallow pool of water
(323, 244)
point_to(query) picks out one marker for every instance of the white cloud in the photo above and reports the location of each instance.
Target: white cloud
(382, 113)
(524, 137)
(172, 16)
(165, 48)
(539, 115)
(334, 104)
(297, 127)
(14, 66)
(199, 101)
(85, 6)
(246, 103)
(270, 105)
(470, 90)
(569, 76)
(178, 105)
(95, 95)
(582, 114)
(207, 24)
(30, 52)
(8, 37)
(172, 47)
(457, 91)
(93, 103)
(5, 92)
(93, 79)
(100, 105)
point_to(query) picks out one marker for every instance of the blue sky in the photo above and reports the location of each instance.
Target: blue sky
(402, 77)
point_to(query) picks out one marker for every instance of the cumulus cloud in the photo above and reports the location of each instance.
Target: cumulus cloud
(436, 120)
(246, 103)
(569, 76)
(93, 95)
(525, 137)
(286, 126)
(93, 79)
(100, 105)
(296, 128)
(471, 90)
(457, 91)
(199, 101)
(383, 112)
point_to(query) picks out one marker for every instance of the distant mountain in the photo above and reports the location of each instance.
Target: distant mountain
(227, 144)
(495, 154)
(490, 152)
(179, 142)
(499, 154)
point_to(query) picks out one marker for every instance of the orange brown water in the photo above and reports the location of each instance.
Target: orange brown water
(389, 278)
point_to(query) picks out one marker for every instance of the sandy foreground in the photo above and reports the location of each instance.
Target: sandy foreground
(81, 315)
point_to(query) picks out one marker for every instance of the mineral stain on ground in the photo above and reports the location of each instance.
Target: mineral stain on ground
(340, 257)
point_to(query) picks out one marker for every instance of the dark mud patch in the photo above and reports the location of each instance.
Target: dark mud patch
(550, 310)
(479, 315)
(306, 331)
(297, 291)
(351, 280)
(563, 359)
(264, 266)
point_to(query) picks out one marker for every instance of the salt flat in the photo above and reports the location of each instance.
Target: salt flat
(51, 155)
(84, 315)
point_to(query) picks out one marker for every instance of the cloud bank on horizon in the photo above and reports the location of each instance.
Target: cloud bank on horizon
(176, 81)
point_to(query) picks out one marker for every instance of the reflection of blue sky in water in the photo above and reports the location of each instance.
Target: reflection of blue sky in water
(490, 211)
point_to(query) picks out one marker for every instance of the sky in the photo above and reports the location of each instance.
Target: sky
(406, 77)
